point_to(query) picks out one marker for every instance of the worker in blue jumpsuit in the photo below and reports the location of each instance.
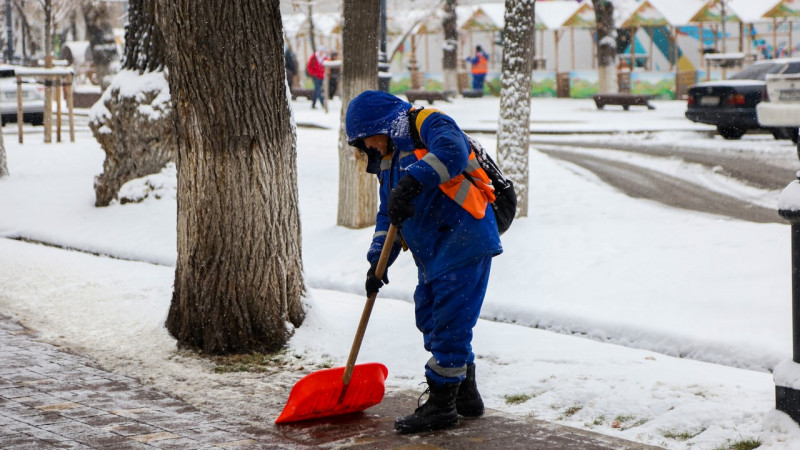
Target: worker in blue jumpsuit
(445, 220)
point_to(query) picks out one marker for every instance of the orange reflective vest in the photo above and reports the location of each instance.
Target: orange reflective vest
(482, 66)
(472, 195)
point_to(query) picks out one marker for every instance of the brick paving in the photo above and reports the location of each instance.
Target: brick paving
(52, 399)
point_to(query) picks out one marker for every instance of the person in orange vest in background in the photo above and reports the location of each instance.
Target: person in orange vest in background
(480, 66)
(316, 71)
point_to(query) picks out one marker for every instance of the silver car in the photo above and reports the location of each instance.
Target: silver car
(32, 98)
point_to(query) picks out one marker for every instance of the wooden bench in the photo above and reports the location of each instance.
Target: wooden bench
(626, 100)
(472, 93)
(307, 93)
(430, 96)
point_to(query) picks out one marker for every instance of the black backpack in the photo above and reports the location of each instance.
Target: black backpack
(505, 202)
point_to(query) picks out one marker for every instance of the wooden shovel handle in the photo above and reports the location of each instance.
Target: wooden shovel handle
(362, 325)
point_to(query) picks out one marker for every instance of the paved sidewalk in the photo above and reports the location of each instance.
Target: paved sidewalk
(53, 399)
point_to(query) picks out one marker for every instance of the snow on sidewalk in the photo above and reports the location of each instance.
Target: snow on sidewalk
(113, 311)
(588, 261)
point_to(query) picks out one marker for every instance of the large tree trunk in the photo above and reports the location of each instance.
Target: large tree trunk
(238, 279)
(450, 53)
(135, 128)
(513, 136)
(606, 46)
(357, 189)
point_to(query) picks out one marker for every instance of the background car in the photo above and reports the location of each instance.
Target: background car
(780, 106)
(731, 104)
(32, 98)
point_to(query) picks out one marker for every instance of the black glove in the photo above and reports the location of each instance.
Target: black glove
(374, 283)
(399, 207)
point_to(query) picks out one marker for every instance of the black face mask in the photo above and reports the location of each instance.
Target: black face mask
(374, 157)
(373, 160)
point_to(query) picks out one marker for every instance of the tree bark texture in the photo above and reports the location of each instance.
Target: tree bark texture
(137, 132)
(513, 136)
(143, 39)
(450, 54)
(606, 46)
(3, 162)
(358, 195)
(238, 278)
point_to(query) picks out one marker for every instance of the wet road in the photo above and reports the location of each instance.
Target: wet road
(765, 171)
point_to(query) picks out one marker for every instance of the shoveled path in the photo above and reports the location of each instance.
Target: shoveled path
(50, 399)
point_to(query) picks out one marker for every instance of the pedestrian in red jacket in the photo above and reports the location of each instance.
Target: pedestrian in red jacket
(316, 71)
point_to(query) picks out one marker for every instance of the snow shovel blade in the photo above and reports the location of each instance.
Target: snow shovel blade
(319, 394)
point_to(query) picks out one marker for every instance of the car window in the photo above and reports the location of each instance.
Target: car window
(6, 73)
(758, 71)
(792, 67)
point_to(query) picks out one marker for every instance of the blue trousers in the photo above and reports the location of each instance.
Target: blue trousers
(317, 92)
(477, 81)
(447, 309)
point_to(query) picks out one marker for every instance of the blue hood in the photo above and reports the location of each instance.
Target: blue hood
(376, 112)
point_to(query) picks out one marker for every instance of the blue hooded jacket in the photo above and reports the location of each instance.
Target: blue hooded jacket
(441, 235)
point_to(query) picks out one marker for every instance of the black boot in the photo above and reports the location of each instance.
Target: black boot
(435, 414)
(468, 400)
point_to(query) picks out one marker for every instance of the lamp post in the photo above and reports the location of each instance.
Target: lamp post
(787, 373)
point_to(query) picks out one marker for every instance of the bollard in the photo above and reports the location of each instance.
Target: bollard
(787, 373)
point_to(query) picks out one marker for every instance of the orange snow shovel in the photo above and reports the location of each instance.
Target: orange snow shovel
(342, 390)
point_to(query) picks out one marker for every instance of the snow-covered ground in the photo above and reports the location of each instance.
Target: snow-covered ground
(615, 314)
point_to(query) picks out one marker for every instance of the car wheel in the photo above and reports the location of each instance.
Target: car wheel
(731, 133)
(785, 133)
(37, 119)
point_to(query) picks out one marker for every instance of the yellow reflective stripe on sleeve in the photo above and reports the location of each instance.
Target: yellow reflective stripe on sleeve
(424, 115)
